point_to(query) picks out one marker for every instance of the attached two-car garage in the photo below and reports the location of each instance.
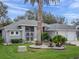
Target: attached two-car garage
(67, 31)
(70, 35)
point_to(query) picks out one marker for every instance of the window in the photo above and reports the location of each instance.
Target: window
(12, 33)
(16, 32)
(19, 27)
(77, 28)
(29, 28)
(29, 36)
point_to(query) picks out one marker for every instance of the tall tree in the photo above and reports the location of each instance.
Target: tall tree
(61, 20)
(75, 22)
(4, 19)
(49, 18)
(39, 16)
(30, 15)
(3, 10)
(19, 18)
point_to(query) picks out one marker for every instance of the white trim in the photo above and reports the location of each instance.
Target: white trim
(15, 33)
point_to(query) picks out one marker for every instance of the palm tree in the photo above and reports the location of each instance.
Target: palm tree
(39, 16)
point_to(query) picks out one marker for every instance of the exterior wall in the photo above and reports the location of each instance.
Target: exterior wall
(23, 34)
(19, 36)
(52, 34)
(71, 36)
(63, 33)
(7, 36)
(35, 33)
(4, 35)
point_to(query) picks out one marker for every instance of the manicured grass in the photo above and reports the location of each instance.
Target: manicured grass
(10, 52)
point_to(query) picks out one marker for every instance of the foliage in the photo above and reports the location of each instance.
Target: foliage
(45, 36)
(49, 18)
(4, 19)
(19, 18)
(30, 15)
(44, 1)
(59, 40)
(10, 52)
(3, 9)
(39, 14)
(75, 22)
(16, 40)
(1, 40)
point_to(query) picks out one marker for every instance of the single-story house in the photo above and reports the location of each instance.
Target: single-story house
(27, 31)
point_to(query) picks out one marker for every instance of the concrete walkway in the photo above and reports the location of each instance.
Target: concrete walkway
(73, 43)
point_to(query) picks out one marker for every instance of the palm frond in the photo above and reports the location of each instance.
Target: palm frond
(49, 1)
(32, 2)
(26, 1)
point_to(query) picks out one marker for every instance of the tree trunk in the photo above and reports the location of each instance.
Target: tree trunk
(40, 19)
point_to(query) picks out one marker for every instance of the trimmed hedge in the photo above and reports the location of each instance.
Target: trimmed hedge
(59, 40)
(16, 40)
(45, 36)
(1, 40)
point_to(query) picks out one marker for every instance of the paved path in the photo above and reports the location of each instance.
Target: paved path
(74, 43)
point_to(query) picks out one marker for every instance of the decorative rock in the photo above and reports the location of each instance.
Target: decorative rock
(77, 44)
(7, 44)
(39, 46)
(59, 48)
(22, 49)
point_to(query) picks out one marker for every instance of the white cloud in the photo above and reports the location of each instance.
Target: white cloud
(71, 15)
(74, 5)
(77, 0)
(13, 13)
(14, 6)
(10, 0)
(15, 10)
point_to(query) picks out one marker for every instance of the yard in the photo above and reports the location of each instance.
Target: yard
(10, 52)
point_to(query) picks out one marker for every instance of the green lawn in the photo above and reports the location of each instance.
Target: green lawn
(10, 52)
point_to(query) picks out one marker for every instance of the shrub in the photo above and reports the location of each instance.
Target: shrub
(1, 40)
(45, 36)
(16, 40)
(59, 40)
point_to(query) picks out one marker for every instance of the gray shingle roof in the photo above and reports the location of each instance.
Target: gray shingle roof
(23, 22)
(60, 26)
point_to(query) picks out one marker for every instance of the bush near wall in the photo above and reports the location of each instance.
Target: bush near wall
(59, 40)
(45, 36)
(1, 40)
(16, 40)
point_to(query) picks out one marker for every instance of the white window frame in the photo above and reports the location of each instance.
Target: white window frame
(11, 33)
(15, 33)
(18, 33)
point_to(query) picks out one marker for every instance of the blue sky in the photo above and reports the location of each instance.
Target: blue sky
(66, 8)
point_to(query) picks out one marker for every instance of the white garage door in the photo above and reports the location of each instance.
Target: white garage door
(71, 36)
(62, 33)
